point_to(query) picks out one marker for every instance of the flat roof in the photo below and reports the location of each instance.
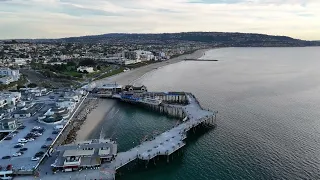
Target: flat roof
(110, 86)
(78, 152)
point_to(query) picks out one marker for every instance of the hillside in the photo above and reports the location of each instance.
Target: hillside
(212, 38)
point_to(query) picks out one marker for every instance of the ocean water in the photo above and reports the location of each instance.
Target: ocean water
(268, 122)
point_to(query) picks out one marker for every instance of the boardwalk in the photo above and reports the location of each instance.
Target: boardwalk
(167, 142)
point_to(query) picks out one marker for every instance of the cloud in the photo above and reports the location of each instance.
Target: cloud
(60, 18)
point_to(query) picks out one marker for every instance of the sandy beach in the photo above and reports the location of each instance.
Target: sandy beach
(97, 115)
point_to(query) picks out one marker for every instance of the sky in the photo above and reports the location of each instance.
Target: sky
(65, 18)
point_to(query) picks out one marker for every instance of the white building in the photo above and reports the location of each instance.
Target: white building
(8, 75)
(64, 103)
(9, 98)
(20, 61)
(119, 60)
(85, 68)
(144, 55)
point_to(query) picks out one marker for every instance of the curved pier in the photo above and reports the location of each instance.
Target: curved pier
(168, 142)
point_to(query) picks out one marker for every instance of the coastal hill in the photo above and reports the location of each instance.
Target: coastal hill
(221, 39)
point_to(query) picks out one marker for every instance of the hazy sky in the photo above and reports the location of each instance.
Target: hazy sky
(60, 18)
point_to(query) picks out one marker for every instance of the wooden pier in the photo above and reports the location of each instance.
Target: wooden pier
(172, 140)
(201, 60)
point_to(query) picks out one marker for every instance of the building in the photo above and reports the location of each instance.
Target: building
(6, 172)
(72, 96)
(85, 69)
(21, 61)
(119, 60)
(29, 111)
(65, 103)
(85, 154)
(135, 89)
(132, 55)
(8, 125)
(9, 72)
(8, 75)
(107, 90)
(144, 55)
(9, 98)
(35, 91)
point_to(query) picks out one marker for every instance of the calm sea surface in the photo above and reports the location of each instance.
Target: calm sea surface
(268, 123)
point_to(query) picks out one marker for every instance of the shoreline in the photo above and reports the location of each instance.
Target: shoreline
(97, 115)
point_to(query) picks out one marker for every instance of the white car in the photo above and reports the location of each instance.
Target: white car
(20, 144)
(16, 154)
(38, 134)
(21, 140)
(30, 139)
(35, 159)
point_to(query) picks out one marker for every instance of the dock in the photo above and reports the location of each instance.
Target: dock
(170, 141)
(201, 60)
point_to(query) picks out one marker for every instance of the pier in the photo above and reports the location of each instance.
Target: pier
(170, 141)
(201, 60)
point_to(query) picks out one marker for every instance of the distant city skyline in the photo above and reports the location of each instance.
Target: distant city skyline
(65, 18)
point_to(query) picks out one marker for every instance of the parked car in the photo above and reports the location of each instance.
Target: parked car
(21, 140)
(8, 138)
(44, 146)
(6, 157)
(49, 139)
(21, 152)
(38, 154)
(55, 132)
(30, 139)
(35, 159)
(16, 154)
(21, 127)
(23, 149)
(17, 146)
(37, 127)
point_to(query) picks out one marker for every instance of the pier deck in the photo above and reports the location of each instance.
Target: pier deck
(167, 142)
(201, 60)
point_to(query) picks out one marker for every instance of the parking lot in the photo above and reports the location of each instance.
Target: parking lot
(24, 161)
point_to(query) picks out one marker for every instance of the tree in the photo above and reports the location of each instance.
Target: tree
(85, 72)
(20, 86)
(98, 67)
(87, 62)
(32, 85)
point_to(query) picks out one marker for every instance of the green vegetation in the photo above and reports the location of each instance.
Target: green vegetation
(114, 72)
(20, 82)
(140, 64)
(32, 85)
